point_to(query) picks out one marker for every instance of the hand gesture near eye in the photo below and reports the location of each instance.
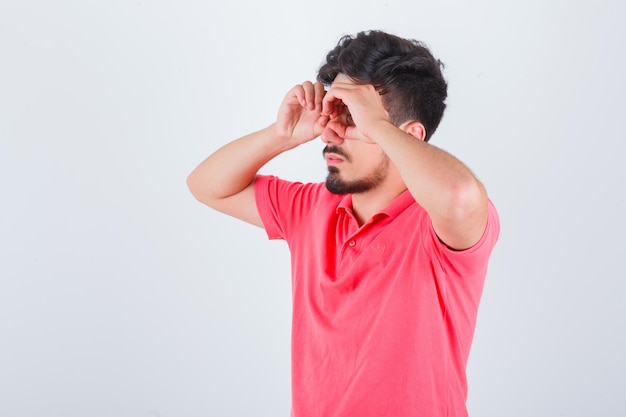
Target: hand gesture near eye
(353, 109)
(300, 114)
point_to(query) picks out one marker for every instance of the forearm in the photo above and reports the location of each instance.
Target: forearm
(225, 180)
(234, 166)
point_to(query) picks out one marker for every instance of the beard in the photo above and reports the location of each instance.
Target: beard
(336, 185)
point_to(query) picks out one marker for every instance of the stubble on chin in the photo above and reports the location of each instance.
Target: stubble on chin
(336, 185)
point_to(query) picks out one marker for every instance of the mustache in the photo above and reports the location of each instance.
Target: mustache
(336, 150)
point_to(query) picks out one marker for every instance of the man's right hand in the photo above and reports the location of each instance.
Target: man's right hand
(300, 117)
(225, 180)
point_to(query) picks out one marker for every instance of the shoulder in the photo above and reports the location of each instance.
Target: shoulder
(279, 191)
(285, 206)
(266, 183)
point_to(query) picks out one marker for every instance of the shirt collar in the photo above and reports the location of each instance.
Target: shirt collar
(393, 210)
(401, 203)
(345, 204)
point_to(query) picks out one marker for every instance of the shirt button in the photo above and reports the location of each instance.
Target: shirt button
(352, 243)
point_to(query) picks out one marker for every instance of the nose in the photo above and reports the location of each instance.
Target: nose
(335, 130)
(330, 134)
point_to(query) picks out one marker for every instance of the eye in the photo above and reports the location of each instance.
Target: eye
(349, 119)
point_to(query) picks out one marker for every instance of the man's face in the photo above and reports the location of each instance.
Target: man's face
(354, 166)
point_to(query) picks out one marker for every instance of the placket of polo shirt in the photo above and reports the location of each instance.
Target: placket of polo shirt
(354, 243)
(351, 243)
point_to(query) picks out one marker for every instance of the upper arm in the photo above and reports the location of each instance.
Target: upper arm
(463, 224)
(241, 205)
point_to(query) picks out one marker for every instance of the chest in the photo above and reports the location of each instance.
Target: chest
(341, 270)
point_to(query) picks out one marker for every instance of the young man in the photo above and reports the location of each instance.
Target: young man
(389, 256)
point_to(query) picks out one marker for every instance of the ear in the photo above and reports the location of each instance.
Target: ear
(415, 129)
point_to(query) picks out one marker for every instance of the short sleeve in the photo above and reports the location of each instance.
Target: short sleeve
(474, 259)
(283, 205)
(267, 197)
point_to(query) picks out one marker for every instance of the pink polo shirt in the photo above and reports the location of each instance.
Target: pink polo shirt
(383, 314)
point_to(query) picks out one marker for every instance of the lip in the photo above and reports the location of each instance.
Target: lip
(333, 159)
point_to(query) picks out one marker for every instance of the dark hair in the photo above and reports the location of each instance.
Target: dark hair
(404, 71)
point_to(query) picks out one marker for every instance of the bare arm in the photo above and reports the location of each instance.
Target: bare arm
(454, 199)
(225, 180)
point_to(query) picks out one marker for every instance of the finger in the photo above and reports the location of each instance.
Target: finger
(339, 107)
(354, 133)
(299, 94)
(320, 92)
(323, 121)
(331, 104)
(309, 95)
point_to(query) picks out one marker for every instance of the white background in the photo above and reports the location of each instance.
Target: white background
(122, 296)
